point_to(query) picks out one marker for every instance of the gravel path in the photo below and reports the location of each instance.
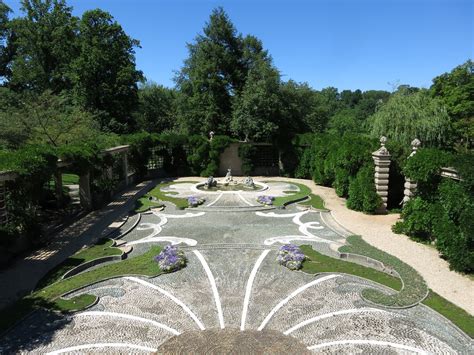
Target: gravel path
(376, 230)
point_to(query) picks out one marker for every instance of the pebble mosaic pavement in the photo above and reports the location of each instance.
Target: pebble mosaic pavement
(233, 284)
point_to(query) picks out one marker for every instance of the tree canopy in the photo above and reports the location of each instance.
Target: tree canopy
(228, 84)
(408, 115)
(456, 91)
(90, 59)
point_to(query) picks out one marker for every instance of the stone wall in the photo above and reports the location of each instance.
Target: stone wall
(230, 159)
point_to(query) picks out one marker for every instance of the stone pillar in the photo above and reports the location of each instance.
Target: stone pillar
(410, 186)
(382, 168)
(125, 167)
(85, 191)
(3, 207)
(58, 186)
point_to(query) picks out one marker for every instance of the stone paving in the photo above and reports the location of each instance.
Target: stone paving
(234, 290)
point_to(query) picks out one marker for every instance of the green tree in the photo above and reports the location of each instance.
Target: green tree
(4, 31)
(214, 74)
(256, 113)
(210, 77)
(344, 121)
(456, 91)
(296, 107)
(408, 115)
(43, 44)
(370, 102)
(45, 119)
(104, 74)
(325, 104)
(12, 133)
(157, 108)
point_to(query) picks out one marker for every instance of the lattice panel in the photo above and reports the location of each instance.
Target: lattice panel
(156, 160)
(265, 156)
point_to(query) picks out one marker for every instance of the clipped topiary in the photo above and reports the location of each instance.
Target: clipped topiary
(362, 194)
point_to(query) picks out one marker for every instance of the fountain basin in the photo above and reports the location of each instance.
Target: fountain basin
(229, 187)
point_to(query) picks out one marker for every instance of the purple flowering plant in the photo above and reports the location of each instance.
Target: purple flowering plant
(291, 256)
(194, 201)
(171, 259)
(265, 200)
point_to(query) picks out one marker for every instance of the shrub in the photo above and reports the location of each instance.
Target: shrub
(418, 217)
(305, 168)
(291, 256)
(140, 151)
(217, 146)
(454, 229)
(174, 154)
(247, 153)
(198, 154)
(171, 259)
(344, 163)
(362, 193)
(424, 168)
(34, 166)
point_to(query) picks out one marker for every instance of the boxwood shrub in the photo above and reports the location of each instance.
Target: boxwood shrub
(442, 210)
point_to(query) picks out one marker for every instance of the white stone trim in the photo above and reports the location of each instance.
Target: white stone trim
(101, 346)
(170, 296)
(217, 199)
(171, 239)
(292, 295)
(127, 316)
(212, 281)
(248, 289)
(332, 314)
(368, 342)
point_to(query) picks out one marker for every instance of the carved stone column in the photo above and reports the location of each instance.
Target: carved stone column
(382, 168)
(410, 186)
(3, 207)
(85, 191)
(58, 186)
(125, 167)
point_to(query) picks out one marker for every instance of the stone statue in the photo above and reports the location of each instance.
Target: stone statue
(211, 135)
(211, 182)
(415, 144)
(228, 176)
(248, 182)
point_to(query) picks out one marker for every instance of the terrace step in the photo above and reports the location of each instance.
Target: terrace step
(229, 246)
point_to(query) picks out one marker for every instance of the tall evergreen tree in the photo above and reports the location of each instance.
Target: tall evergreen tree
(104, 74)
(214, 74)
(256, 111)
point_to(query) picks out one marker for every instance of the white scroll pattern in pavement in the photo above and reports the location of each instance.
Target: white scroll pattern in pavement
(302, 227)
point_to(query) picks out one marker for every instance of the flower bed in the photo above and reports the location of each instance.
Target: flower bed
(265, 200)
(171, 259)
(291, 256)
(194, 201)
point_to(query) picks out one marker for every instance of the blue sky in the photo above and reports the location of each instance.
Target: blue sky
(363, 44)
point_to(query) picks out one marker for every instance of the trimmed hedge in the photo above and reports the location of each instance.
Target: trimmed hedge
(247, 154)
(362, 193)
(182, 155)
(344, 163)
(442, 210)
